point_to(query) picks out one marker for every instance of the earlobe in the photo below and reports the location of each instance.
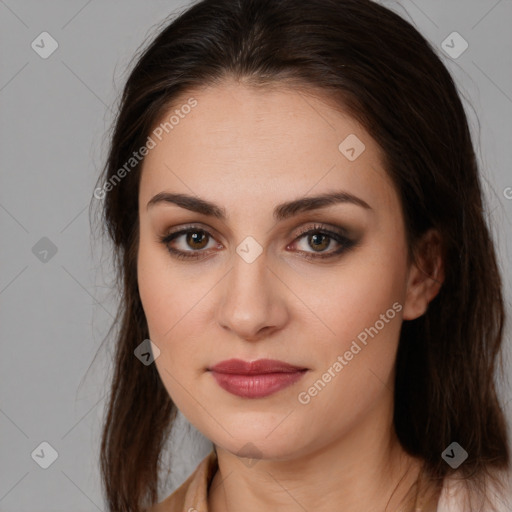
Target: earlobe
(426, 275)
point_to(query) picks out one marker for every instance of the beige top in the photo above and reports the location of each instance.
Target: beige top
(192, 495)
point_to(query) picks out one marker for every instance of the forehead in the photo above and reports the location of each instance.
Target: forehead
(277, 142)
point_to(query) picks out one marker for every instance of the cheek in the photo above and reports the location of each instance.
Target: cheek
(353, 370)
(174, 304)
(154, 291)
(361, 305)
(166, 293)
(166, 304)
(165, 298)
(354, 295)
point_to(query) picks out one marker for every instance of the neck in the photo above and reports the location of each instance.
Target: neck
(365, 470)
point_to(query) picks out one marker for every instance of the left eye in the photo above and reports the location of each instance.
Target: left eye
(320, 239)
(197, 240)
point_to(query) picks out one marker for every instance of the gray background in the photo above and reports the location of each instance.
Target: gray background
(55, 309)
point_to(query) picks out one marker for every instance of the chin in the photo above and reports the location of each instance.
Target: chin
(259, 446)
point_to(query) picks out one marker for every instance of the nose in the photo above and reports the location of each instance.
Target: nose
(253, 302)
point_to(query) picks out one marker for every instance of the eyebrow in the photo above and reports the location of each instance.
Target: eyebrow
(281, 212)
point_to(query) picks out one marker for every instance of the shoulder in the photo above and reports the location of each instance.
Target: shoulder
(455, 496)
(192, 494)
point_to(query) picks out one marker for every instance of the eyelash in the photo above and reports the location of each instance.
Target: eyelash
(345, 243)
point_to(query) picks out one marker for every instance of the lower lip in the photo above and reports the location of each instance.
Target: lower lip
(256, 386)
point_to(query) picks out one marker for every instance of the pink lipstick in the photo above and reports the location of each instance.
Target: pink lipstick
(255, 379)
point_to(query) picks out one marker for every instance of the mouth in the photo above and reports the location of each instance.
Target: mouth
(255, 379)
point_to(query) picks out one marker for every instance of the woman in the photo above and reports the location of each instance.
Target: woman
(306, 273)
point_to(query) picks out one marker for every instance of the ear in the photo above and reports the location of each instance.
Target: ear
(426, 275)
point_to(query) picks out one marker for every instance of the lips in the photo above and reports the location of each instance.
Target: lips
(258, 367)
(255, 379)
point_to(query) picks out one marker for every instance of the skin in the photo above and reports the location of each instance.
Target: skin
(248, 150)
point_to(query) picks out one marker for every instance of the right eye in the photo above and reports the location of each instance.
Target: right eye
(194, 237)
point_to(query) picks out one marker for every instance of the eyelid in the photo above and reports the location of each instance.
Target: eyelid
(320, 226)
(192, 226)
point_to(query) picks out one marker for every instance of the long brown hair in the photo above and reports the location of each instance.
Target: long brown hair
(378, 68)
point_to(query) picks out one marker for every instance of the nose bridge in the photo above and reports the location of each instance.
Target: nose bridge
(250, 303)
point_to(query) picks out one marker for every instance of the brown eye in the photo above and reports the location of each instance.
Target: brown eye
(317, 239)
(187, 243)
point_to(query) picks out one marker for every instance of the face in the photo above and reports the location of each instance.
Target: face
(322, 286)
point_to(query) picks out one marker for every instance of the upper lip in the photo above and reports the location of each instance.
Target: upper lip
(258, 367)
